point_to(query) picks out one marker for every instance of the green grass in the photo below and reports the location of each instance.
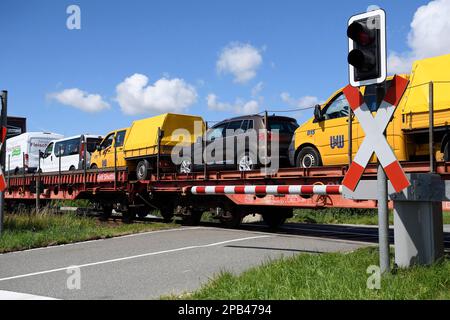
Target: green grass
(327, 276)
(344, 216)
(26, 231)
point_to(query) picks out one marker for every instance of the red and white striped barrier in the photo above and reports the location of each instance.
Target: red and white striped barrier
(375, 141)
(2, 176)
(269, 190)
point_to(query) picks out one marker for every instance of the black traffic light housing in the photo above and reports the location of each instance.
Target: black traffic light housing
(367, 48)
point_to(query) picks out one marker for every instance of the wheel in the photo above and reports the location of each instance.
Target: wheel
(308, 157)
(192, 219)
(106, 211)
(185, 166)
(142, 214)
(167, 214)
(94, 166)
(246, 162)
(274, 220)
(142, 170)
(233, 219)
(72, 168)
(129, 215)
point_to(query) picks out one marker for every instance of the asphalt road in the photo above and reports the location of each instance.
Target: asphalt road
(148, 265)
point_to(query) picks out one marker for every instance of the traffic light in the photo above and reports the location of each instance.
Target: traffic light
(367, 48)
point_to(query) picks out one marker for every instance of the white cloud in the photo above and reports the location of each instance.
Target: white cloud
(301, 103)
(428, 37)
(257, 89)
(80, 99)
(240, 60)
(239, 106)
(136, 96)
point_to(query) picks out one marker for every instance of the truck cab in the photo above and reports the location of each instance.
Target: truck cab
(324, 138)
(109, 147)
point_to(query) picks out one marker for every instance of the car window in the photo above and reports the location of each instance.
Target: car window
(234, 125)
(120, 137)
(216, 132)
(250, 125)
(338, 108)
(370, 96)
(48, 150)
(67, 147)
(282, 125)
(107, 142)
(244, 125)
(92, 143)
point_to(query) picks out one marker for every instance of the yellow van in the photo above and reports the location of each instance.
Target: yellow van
(137, 146)
(323, 140)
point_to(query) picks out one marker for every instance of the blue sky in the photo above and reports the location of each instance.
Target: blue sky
(298, 48)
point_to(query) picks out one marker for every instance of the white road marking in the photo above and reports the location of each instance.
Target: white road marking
(11, 295)
(96, 240)
(133, 257)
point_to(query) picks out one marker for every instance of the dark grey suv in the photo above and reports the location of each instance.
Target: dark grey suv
(240, 143)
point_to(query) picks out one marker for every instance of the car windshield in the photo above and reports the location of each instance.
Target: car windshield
(283, 125)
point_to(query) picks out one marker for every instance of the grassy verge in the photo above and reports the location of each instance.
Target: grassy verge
(327, 276)
(344, 216)
(26, 231)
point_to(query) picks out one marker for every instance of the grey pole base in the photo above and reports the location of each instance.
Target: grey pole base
(418, 233)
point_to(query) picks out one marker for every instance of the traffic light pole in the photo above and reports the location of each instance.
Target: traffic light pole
(3, 116)
(383, 210)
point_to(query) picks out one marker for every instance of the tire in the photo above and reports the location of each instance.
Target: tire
(167, 214)
(106, 212)
(193, 219)
(308, 157)
(93, 166)
(233, 221)
(246, 162)
(72, 168)
(274, 220)
(142, 170)
(129, 215)
(185, 167)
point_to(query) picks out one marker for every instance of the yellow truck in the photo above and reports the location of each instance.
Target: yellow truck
(136, 147)
(323, 139)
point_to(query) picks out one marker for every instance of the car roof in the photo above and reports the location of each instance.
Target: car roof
(253, 116)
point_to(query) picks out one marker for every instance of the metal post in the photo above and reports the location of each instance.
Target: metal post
(431, 126)
(205, 162)
(59, 167)
(383, 211)
(115, 165)
(38, 187)
(350, 136)
(84, 161)
(23, 172)
(3, 115)
(383, 221)
(9, 169)
(158, 156)
(266, 147)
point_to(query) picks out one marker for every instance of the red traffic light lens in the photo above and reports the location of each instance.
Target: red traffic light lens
(360, 33)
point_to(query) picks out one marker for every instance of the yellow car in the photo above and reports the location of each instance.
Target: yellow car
(323, 139)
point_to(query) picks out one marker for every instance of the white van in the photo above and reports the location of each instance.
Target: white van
(70, 151)
(22, 151)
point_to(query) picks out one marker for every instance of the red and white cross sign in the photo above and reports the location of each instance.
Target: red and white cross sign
(2, 176)
(375, 141)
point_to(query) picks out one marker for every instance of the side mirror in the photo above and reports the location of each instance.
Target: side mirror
(317, 113)
(98, 148)
(41, 154)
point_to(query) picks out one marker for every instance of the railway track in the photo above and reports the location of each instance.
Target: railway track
(360, 233)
